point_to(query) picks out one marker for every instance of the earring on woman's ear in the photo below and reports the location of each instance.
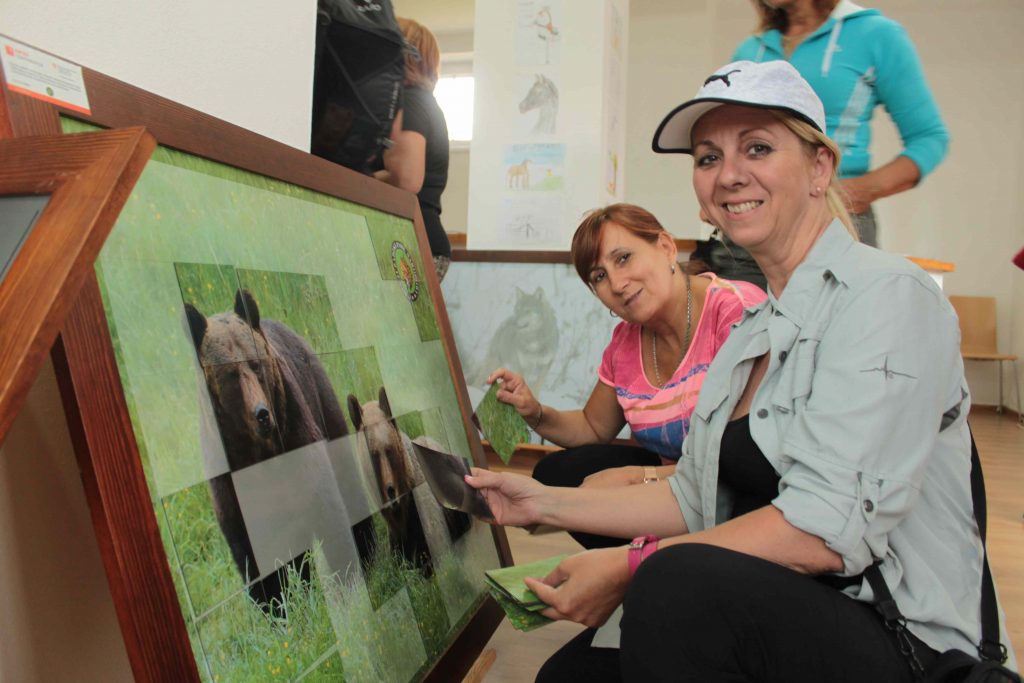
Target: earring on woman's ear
(612, 313)
(673, 268)
(817, 191)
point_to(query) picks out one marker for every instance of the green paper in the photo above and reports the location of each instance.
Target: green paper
(510, 581)
(520, 618)
(521, 605)
(501, 424)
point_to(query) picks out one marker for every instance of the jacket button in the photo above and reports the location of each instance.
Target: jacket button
(827, 275)
(782, 356)
(868, 506)
(763, 413)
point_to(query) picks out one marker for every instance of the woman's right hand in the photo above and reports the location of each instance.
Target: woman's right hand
(513, 390)
(514, 499)
(614, 477)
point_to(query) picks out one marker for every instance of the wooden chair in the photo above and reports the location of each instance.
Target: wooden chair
(977, 316)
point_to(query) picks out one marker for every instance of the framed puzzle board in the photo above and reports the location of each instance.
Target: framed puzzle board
(244, 374)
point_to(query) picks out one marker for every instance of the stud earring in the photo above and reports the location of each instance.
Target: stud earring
(673, 268)
(817, 191)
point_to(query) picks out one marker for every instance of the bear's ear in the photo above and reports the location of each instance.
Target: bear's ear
(382, 401)
(355, 411)
(246, 308)
(196, 324)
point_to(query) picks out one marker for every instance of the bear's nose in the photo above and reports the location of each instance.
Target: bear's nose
(263, 416)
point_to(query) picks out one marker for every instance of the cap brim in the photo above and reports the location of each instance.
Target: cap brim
(675, 132)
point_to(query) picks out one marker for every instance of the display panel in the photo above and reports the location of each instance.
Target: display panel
(279, 351)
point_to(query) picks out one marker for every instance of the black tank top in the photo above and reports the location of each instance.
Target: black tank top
(743, 468)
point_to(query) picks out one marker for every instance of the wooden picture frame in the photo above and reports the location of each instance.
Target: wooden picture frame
(86, 179)
(100, 422)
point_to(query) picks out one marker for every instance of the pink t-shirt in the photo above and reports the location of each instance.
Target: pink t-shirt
(660, 418)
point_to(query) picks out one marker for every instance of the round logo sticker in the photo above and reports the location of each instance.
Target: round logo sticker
(405, 269)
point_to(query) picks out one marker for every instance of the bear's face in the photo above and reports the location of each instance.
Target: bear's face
(384, 445)
(242, 376)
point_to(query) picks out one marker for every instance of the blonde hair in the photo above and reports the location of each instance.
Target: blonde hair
(812, 139)
(421, 70)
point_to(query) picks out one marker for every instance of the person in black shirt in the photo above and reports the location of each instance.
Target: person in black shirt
(418, 159)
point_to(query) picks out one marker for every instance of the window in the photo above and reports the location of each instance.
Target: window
(455, 96)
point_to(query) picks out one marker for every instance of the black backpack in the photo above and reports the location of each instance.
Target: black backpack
(357, 81)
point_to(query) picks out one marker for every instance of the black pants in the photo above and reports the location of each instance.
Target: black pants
(703, 614)
(571, 466)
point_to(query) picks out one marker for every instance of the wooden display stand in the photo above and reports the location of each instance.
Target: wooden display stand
(87, 179)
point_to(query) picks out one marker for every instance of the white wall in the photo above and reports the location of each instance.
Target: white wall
(249, 63)
(57, 622)
(581, 65)
(970, 211)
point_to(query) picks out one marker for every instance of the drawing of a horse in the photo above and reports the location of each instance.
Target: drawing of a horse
(519, 175)
(543, 96)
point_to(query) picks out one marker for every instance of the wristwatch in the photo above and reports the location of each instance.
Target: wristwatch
(639, 549)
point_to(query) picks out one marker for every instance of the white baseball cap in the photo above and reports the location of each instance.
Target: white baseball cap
(767, 85)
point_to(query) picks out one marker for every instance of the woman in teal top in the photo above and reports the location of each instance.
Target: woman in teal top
(856, 59)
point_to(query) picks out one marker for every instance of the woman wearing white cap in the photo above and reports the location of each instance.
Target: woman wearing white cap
(830, 435)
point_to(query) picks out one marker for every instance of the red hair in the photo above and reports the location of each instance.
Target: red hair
(422, 71)
(586, 243)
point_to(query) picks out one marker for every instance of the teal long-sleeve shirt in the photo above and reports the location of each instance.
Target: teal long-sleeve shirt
(855, 61)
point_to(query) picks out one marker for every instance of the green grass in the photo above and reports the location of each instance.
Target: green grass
(501, 424)
(549, 184)
(203, 555)
(298, 300)
(353, 372)
(243, 643)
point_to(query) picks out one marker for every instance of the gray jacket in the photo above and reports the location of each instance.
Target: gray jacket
(862, 412)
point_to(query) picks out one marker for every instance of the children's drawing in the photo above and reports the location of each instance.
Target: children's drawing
(541, 97)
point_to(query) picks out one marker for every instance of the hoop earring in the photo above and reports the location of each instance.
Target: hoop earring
(612, 313)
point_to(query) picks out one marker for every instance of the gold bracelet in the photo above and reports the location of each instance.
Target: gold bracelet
(650, 475)
(540, 417)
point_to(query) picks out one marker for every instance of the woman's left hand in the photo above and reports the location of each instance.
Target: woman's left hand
(585, 588)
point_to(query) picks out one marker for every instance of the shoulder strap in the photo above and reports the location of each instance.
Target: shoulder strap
(990, 649)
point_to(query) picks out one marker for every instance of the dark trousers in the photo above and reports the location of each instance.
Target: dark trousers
(699, 613)
(571, 466)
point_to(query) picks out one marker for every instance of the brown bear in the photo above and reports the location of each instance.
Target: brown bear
(270, 395)
(419, 527)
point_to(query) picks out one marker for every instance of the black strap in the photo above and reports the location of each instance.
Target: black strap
(990, 649)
